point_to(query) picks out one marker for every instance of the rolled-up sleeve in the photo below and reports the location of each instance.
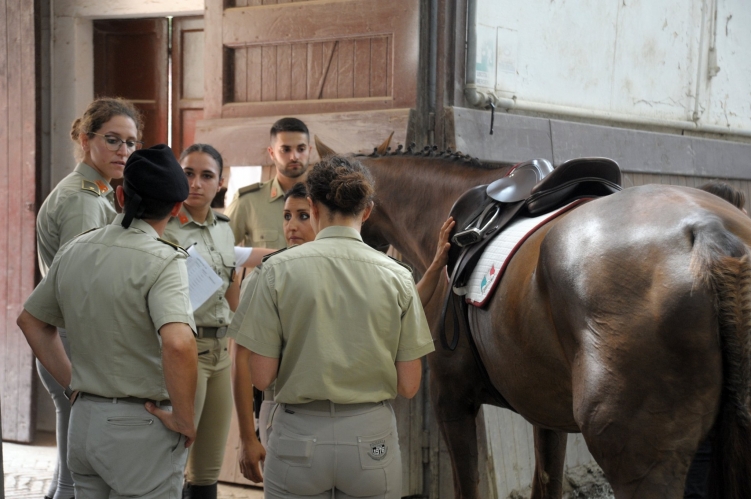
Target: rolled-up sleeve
(415, 340)
(262, 334)
(43, 303)
(169, 297)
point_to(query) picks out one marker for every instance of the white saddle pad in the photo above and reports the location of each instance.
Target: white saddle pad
(498, 253)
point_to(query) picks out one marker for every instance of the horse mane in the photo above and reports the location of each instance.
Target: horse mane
(432, 152)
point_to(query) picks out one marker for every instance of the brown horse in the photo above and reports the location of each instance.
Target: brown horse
(626, 319)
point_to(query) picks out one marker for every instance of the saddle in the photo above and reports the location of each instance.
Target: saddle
(531, 188)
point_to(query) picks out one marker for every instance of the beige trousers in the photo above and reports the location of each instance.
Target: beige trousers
(119, 450)
(325, 450)
(213, 409)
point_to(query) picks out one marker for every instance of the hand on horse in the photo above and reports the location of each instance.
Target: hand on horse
(251, 455)
(426, 286)
(442, 252)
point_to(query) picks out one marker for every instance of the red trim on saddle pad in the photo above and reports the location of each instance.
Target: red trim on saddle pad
(518, 245)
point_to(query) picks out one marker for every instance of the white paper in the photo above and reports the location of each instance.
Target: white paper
(202, 280)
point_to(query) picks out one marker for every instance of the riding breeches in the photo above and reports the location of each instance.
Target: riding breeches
(62, 482)
(327, 450)
(213, 412)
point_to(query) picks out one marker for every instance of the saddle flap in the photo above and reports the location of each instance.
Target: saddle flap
(581, 168)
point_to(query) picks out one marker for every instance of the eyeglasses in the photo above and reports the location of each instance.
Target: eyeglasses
(113, 143)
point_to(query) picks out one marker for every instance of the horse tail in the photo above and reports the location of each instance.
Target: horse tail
(722, 261)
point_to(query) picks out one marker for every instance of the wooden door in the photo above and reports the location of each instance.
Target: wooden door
(18, 174)
(187, 80)
(131, 61)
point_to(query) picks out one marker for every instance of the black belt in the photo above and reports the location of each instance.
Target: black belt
(212, 332)
(117, 400)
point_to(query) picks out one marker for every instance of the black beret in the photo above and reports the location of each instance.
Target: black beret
(153, 174)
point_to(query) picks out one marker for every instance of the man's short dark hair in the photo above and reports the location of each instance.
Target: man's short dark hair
(289, 125)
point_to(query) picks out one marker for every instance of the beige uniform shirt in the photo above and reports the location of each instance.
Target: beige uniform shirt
(113, 289)
(248, 287)
(339, 314)
(81, 201)
(256, 215)
(214, 242)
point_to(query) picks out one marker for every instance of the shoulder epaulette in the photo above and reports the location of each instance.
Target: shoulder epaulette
(174, 245)
(221, 216)
(272, 254)
(405, 265)
(86, 232)
(249, 188)
(88, 185)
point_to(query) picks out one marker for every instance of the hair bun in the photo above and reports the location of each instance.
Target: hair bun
(342, 184)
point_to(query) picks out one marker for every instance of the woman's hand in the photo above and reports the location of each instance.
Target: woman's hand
(251, 455)
(426, 286)
(441, 257)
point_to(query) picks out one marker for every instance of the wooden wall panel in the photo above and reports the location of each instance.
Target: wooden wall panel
(313, 70)
(18, 110)
(187, 80)
(328, 56)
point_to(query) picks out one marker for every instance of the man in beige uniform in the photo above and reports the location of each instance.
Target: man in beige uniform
(122, 294)
(256, 211)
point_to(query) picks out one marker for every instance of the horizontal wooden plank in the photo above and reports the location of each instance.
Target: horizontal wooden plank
(252, 109)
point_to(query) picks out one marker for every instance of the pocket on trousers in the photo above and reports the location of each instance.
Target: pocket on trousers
(129, 421)
(377, 451)
(295, 450)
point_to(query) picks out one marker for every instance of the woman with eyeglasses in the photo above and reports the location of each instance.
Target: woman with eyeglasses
(105, 136)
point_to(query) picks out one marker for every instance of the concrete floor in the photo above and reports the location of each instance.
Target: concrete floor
(28, 470)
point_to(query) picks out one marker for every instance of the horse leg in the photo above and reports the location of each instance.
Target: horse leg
(550, 456)
(455, 411)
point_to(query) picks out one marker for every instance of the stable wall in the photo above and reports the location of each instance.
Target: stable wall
(665, 60)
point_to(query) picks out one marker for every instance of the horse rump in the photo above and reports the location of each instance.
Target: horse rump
(721, 260)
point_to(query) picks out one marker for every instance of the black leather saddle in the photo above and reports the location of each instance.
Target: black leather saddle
(480, 215)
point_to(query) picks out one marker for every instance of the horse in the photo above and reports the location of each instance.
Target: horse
(626, 319)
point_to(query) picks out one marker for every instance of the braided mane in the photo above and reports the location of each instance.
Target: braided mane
(433, 152)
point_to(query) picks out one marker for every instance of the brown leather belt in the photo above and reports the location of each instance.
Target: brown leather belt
(212, 332)
(117, 400)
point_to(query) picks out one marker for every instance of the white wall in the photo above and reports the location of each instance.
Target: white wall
(648, 58)
(73, 61)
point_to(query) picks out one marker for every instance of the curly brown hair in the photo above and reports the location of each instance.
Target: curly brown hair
(342, 184)
(99, 112)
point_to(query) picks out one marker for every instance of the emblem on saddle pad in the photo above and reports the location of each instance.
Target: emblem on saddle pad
(489, 278)
(378, 450)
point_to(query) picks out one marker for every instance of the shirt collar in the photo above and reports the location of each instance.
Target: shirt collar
(139, 224)
(339, 231)
(184, 217)
(91, 174)
(276, 190)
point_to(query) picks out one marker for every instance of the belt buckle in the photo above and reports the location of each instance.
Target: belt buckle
(221, 332)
